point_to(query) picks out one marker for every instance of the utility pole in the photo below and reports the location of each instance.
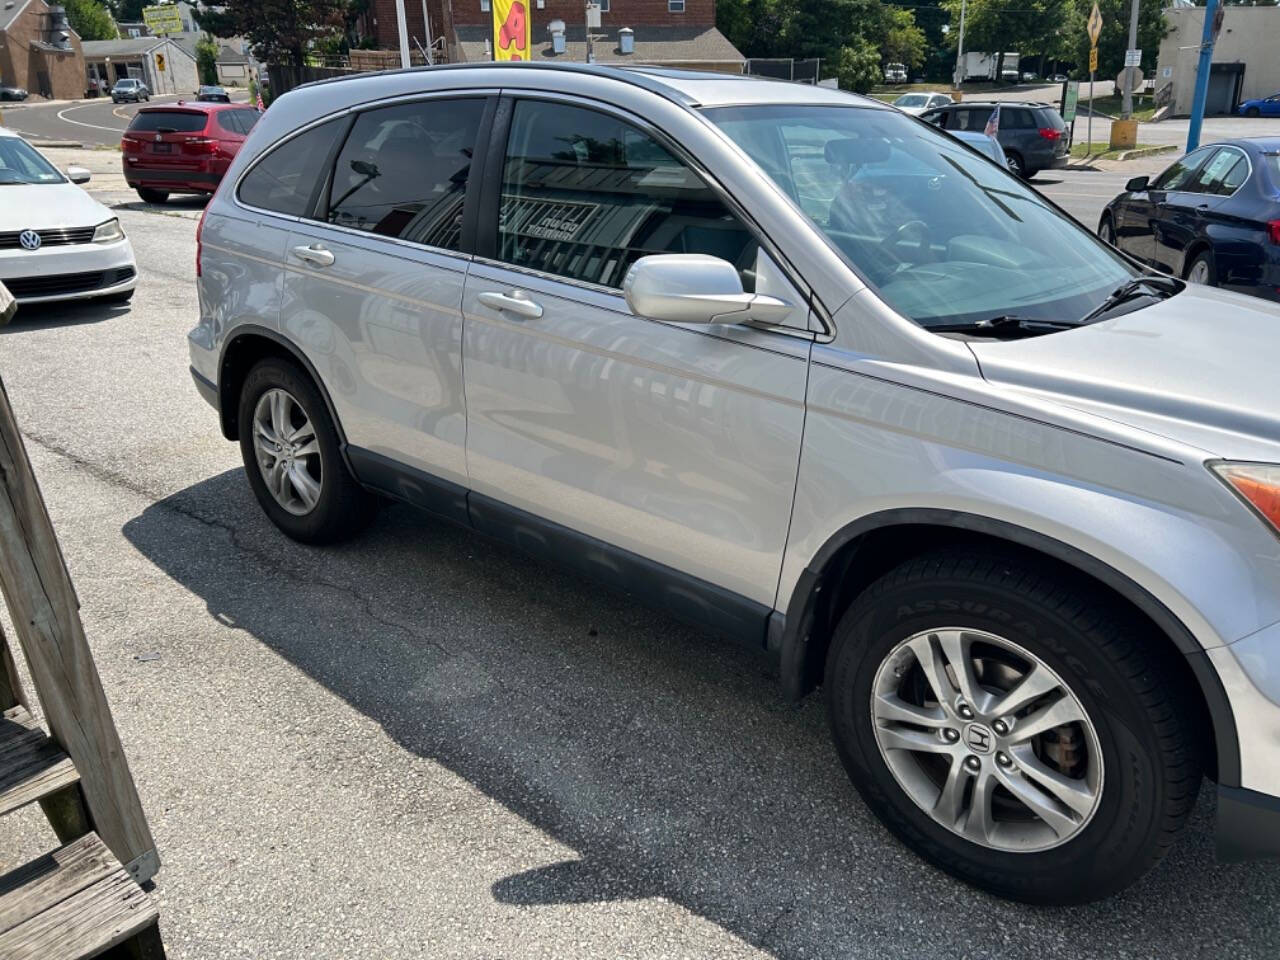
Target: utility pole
(404, 34)
(1207, 38)
(1127, 109)
(959, 78)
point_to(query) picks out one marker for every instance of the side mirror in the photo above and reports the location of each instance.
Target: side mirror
(696, 288)
(1137, 184)
(78, 174)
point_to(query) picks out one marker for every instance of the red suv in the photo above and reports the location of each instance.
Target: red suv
(184, 147)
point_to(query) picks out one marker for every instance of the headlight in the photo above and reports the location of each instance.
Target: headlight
(1257, 484)
(108, 232)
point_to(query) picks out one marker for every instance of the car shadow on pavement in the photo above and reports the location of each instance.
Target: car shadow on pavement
(666, 759)
(45, 316)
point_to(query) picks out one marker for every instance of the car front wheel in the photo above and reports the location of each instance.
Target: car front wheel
(1201, 269)
(293, 459)
(1013, 727)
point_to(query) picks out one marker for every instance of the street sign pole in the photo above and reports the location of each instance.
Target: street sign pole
(1127, 110)
(402, 26)
(959, 77)
(1207, 38)
(1090, 133)
(1094, 27)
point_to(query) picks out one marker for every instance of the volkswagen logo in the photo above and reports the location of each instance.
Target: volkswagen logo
(978, 738)
(29, 239)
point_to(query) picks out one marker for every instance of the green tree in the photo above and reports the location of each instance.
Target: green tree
(129, 11)
(858, 65)
(1114, 38)
(281, 31)
(904, 42)
(91, 20)
(207, 59)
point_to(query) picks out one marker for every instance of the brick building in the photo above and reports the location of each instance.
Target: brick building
(675, 32)
(39, 52)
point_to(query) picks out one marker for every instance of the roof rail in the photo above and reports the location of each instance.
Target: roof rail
(645, 78)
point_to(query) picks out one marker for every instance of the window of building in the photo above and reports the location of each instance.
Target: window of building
(403, 171)
(585, 195)
(604, 5)
(675, 6)
(484, 6)
(287, 179)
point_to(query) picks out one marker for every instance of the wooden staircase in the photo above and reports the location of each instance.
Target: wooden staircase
(83, 899)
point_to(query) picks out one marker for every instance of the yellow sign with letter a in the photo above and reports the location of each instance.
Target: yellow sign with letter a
(512, 31)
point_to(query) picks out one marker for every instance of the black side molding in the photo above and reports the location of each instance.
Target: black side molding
(1248, 826)
(206, 388)
(415, 487)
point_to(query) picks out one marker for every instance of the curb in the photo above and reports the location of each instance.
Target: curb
(1134, 154)
(66, 144)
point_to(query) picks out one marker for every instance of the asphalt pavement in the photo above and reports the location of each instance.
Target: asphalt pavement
(426, 744)
(95, 122)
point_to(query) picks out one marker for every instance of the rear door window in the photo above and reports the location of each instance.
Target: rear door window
(1016, 118)
(1222, 173)
(237, 121)
(288, 179)
(168, 121)
(403, 171)
(971, 118)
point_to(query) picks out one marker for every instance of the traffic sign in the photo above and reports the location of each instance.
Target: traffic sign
(160, 62)
(1129, 80)
(162, 20)
(1133, 58)
(1093, 59)
(1095, 25)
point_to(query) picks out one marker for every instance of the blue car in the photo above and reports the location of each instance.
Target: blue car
(1261, 107)
(1213, 217)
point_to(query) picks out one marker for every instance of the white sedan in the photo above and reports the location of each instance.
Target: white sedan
(917, 103)
(57, 242)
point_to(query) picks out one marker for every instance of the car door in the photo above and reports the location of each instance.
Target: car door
(1136, 215)
(373, 294)
(1181, 208)
(1271, 106)
(659, 456)
(1233, 224)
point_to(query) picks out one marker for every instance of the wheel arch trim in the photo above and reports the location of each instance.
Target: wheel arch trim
(796, 653)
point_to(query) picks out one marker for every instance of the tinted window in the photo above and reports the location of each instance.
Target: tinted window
(1016, 118)
(286, 178)
(585, 195)
(974, 118)
(1177, 176)
(1222, 173)
(936, 117)
(168, 121)
(1050, 118)
(236, 121)
(403, 171)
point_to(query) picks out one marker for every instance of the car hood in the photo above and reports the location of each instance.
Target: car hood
(1199, 368)
(44, 205)
(913, 111)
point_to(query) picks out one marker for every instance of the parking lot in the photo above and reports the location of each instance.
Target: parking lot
(425, 744)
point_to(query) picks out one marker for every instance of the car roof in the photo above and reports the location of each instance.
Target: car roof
(193, 106)
(1004, 103)
(691, 88)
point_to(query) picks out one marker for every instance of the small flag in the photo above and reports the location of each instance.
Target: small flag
(993, 125)
(261, 106)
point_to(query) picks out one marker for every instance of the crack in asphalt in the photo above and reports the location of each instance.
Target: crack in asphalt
(363, 602)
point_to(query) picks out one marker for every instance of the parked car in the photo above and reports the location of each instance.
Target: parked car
(1033, 135)
(10, 92)
(1212, 217)
(1261, 107)
(986, 145)
(1030, 76)
(129, 89)
(1058, 78)
(803, 371)
(212, 94)
(56, 241)
(917, 103)
(184, 148)
(895, 73)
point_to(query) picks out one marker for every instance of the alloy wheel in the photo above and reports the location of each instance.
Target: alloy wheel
(1199, 272)
(287, 451)
(1106, 233)
(987, 739)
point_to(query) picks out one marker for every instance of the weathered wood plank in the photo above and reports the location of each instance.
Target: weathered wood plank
(36, 887)
(42, 603)
(32, 766)
(86, 923)
(11, 692)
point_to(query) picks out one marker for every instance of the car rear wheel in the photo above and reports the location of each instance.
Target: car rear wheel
(1012, 726)
(1202, 269)
(1253, 112)
(1107, 230)
(152, 196)
(293, 459)
(1013, 160)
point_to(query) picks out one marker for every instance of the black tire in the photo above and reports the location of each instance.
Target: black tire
(1204, 257)
(1140, 708)
(1013, 160)
(153, 196)
(1253, 112)
(1107, 229)
(343, 507)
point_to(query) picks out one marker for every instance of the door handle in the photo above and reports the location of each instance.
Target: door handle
(316, 254)
(517, 302)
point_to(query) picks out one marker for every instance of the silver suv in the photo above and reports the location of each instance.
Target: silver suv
(811, 374)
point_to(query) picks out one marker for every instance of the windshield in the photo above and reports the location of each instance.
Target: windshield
(946, 237)
(21, 163)
(912, 100)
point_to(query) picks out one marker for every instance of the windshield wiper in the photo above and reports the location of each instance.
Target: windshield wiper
(1159, 287)
(1006, 325)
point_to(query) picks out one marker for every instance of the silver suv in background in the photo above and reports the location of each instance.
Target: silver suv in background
(130, 88)
(807, 373)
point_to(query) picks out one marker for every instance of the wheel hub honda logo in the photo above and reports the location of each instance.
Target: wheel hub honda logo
(978, 738)
(29, 239)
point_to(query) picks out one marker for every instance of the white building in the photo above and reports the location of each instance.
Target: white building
(1246, 58)
(163, 65)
